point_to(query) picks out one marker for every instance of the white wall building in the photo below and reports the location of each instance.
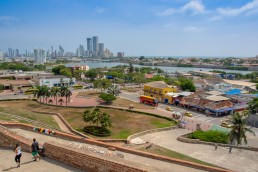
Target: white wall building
(56, 81)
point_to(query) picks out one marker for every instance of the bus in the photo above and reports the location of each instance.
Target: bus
(149, 100)
(30, 91)
(77, 87)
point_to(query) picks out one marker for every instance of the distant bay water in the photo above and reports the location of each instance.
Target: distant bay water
(164, 68)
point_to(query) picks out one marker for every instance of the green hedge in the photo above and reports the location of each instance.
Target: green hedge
(97, 131)
(210, 136)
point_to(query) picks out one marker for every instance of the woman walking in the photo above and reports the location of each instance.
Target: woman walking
(18, 153)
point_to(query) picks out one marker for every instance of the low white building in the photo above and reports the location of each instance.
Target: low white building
(56, 81)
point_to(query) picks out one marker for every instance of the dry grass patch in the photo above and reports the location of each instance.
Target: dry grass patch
(123, 123)
(120, 102)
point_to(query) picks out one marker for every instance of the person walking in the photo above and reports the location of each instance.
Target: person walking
(35, 150)
(18, 153)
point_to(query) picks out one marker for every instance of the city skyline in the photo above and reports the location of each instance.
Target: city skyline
(150, 28)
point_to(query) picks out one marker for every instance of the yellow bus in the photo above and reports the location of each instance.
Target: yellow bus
(30, 91)
(77, 87)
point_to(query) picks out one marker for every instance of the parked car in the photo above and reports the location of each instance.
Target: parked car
(168, 108)
(16, 93)
(188, 114)
(225, 124)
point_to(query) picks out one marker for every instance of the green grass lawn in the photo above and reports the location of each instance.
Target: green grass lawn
(173, 154)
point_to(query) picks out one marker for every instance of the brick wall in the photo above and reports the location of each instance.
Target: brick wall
(122, 149)
(89, 161)
(10, 139)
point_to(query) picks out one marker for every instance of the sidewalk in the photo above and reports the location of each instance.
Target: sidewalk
(7, 163)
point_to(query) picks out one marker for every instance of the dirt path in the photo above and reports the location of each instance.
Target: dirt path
(60, 123)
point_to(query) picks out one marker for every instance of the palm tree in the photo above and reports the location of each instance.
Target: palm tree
(105, 120)
(238, 129)
(253, 105)
(45, 92)
(87, 116)
(66, 92)
(55, 91)
(38, 92)
(60, 101)
(50, 101)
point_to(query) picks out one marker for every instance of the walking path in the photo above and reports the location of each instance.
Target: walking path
(239, 160)
(155, 165)
(7, 163)
(60, 123)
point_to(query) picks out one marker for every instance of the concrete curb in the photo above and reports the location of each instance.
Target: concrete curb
(184, 139)
(128, 140)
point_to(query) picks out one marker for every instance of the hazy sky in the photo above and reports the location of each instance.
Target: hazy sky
(137, 27)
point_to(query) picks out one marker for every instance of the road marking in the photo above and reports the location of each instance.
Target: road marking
(210, 119)
(197, 116)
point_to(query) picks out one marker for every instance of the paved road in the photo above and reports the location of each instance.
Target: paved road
(239, 160)
(7, 163)
(153, 165)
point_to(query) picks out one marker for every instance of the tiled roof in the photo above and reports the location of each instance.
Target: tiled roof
(157, 84)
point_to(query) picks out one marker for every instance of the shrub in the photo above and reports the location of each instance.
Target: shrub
(210, 136)
(97, 131)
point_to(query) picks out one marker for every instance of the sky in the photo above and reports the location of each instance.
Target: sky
(137, 27)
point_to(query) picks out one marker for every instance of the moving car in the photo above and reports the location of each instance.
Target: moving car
(188, 114)
(168, 108)
(225, 124)
(176, 115)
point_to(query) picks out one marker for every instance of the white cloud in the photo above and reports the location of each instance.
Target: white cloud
(7, 20)
(192, 29)
(215, 18)
(100, 10)
(248, 9)
(194, 6)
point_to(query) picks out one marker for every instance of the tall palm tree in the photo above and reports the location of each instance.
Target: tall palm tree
(38, 93)
(253, 105)
(55, 91)
(44, 92)
(66, 92)
(238, 129)
(60, 101)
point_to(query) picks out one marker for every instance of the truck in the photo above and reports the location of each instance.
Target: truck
(148, 100)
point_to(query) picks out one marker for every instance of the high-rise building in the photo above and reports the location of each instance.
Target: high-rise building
(1, 56)
(17, 53)
(61, 51)
(101, 50)
(81, 51)
(89, 47)
(36, 55)
(95, 46)
(39, 56)
(52, 52)
(120, 54)
(10, 52)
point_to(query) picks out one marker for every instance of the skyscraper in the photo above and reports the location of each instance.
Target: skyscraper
(89, 47)
(101, 50)
(36, 55)
(95, 45)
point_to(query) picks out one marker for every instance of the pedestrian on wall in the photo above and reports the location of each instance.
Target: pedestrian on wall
(216, 146)
(18, 155)
(35, 150)
(230, 149)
